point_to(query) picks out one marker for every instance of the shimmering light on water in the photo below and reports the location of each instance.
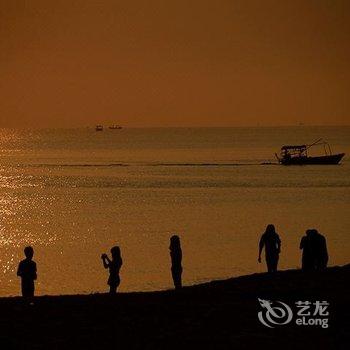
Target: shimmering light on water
(72, 194)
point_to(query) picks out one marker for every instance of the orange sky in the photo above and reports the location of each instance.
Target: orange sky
(174, 63)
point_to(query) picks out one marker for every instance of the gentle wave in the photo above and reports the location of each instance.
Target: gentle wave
(148, 165)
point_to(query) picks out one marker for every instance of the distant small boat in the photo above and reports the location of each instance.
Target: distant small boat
(99, 128)
(298, 155)
(115, 127)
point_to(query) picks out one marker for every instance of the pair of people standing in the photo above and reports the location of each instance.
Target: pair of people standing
(27, 271)
(313, 244)
(114, 265)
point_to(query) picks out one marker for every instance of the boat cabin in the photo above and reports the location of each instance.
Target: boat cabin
(288, 152)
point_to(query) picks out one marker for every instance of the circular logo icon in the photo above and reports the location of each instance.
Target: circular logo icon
(274, 313)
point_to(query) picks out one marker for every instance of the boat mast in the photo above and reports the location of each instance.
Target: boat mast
(313, 144)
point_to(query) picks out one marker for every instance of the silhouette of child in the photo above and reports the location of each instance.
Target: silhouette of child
(114, 266)
(272, 243)
(176, 259)
(27, 271)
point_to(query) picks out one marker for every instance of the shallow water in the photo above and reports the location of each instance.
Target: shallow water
(73, 194)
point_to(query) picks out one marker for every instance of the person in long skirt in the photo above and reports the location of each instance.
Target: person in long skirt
(176, 261)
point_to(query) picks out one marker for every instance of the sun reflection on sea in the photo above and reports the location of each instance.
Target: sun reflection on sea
(65, 193)
(25, 213)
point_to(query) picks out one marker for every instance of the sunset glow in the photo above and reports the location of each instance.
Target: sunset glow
(180, 63)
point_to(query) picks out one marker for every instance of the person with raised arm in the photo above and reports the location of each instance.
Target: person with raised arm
(114, 266)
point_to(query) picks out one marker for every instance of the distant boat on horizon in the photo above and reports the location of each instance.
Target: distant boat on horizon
(298, 155)
(99, 128)
(115, 127)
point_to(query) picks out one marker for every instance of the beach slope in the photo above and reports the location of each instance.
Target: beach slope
(215, 315)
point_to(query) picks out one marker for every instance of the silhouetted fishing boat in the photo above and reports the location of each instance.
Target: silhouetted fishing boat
(115, 127)
(298, 155)
(99, 128)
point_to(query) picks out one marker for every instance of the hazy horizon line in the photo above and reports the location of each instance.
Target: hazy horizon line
(177, 127)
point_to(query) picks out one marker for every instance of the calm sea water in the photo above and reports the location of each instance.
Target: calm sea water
(72, 194)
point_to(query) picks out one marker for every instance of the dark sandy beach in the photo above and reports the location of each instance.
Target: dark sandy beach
(220, 314)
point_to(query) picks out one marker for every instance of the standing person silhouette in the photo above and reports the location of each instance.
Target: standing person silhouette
(321, 252)
(272, 243)
(28, 273)
(315, 254)
(176, 260)
(114, 266)
(308, 256)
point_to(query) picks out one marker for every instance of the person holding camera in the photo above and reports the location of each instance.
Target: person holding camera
(114, 266)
